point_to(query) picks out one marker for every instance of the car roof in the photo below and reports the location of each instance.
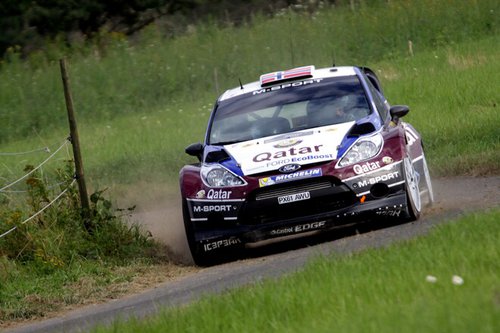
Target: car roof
(311, 74)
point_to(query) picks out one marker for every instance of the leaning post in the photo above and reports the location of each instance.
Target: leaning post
(75, 141)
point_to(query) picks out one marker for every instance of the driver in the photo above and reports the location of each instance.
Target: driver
(330, 110)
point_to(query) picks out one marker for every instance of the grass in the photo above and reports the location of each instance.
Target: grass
(454, 102)
(27, 293)
(60, 258)
(140, 103)
(449, 90)
(377, 290)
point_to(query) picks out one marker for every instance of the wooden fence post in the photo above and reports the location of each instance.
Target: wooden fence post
(75, 141)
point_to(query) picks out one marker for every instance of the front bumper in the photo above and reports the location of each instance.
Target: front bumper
(330, 203)
(237, 234)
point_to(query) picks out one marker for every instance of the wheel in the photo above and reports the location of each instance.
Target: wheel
(427, 184)
(200, 258)
(412, 191)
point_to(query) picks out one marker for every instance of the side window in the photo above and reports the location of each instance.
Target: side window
(379, 100)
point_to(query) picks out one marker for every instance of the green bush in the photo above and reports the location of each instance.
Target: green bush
(55, 237)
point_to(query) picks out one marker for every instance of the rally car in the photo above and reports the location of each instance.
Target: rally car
(301, 150)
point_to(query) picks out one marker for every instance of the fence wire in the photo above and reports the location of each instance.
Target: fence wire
(49, 187)
(38, 167)
(43, 149)
(41, 210)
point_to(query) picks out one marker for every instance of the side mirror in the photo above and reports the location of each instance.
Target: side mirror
(195, 149)
(398, 111)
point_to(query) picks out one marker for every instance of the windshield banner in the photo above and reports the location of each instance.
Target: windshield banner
(303, 147)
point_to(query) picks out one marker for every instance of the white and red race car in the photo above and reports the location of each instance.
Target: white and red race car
(300, 150)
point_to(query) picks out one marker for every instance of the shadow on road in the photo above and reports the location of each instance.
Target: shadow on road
(285, 244)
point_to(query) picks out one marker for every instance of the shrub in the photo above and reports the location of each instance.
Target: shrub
(54, 238)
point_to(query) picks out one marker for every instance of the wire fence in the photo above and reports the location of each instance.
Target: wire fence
(4, 189)
(41, 210)
(49, 187)
(43, 149)
(36, 168)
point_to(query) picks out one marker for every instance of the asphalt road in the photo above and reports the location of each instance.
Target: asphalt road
(454, 197)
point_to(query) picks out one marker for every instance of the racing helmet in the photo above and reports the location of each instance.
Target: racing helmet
(327, 110)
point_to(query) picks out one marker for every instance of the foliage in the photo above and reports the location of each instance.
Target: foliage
(53, 260)
(54, 238)
(162, 71)
(28, 22)
(140, 102)
(29, 25)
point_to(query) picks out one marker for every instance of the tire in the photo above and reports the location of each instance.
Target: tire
(426, 184)
(200, 258)
(414, 204)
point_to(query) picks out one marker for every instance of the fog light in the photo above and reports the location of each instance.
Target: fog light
(379, 190)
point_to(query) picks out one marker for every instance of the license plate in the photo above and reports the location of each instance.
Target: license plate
(294, 197)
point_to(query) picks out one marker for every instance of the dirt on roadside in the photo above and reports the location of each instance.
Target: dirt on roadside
(163, 216)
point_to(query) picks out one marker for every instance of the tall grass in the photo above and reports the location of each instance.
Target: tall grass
(453, 94)
(450, 91)
(43, 259)
(113, 76)
(378, 290)
(140, 103)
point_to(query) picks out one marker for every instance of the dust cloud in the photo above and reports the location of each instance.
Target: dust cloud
(159, 211)
(159, 207)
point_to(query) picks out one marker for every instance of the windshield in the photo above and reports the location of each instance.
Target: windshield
(293, 107)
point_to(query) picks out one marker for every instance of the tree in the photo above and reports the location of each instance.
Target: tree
(26, 22)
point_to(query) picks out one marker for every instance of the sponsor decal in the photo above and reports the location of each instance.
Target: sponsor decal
(381, 178)
(298, 228)
(309, 226)
(266, 181)
(282, 231)
(287, 143)
(221, 243)
(294, 197)
(287, 85)
(289, 168)
(366, 167)
(268, 156)
(387, 160)
(214, 194)
(391, 212)
(315, 146)
(310, 159)
(203, 209)
(218, 194)
(290, 177)
(212, 208)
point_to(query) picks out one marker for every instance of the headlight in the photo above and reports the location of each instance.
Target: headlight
(363, 149)
(217, 176)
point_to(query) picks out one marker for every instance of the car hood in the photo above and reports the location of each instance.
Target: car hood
(302, 147)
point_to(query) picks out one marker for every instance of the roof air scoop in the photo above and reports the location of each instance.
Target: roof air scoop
(269, 79)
